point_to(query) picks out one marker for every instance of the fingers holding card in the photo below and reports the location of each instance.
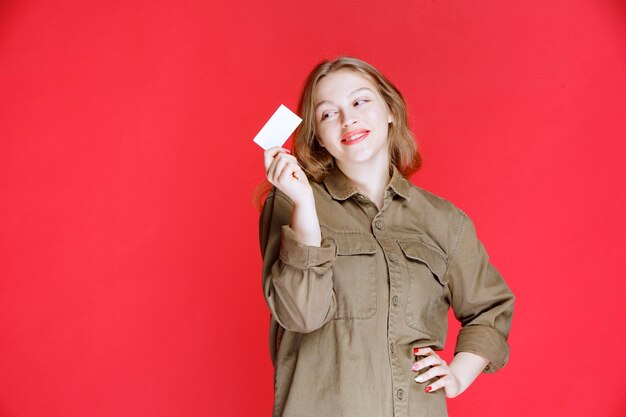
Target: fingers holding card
(282, 168)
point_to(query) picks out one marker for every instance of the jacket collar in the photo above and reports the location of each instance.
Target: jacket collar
(341, 188)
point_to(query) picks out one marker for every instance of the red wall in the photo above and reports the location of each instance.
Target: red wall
(129, 261)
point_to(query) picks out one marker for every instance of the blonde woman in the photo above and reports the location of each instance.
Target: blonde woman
(360, 266)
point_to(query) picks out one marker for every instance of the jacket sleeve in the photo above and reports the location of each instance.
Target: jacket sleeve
(480, 299)
(297, 279)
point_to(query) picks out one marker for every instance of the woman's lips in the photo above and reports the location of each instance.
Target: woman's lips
(354, 137)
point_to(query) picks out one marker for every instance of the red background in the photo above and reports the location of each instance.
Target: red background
(129, 261)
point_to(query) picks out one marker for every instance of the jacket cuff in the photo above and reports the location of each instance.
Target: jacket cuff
(486, 342)
(300, 256)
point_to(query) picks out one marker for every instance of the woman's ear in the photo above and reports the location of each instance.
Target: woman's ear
(390, 118)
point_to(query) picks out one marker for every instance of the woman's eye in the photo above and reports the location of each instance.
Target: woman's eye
(326, 115)
(360, 102)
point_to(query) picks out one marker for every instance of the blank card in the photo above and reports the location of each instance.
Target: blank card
(278, 128)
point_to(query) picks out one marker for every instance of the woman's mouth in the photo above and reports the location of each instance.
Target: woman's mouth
(355, 136)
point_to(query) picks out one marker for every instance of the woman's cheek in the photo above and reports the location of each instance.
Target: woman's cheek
(324, 134)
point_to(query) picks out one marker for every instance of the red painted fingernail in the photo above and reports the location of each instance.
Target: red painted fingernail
(428, 389)
(415, 350)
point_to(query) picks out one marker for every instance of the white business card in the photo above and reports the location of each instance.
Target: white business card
(278, 128)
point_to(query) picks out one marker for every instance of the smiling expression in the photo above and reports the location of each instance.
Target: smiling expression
(351, 118)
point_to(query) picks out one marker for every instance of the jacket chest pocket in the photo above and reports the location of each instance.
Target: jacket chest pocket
(354, 277)
(426, 303)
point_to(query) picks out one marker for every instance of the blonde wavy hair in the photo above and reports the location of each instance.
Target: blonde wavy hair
(314, 159)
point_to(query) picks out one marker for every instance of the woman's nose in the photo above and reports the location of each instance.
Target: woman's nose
(349, 118)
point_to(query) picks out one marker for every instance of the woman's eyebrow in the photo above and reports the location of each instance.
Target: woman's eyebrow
(359, 90)
(349, 95)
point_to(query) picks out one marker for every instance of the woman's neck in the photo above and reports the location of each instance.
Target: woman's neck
(369, 179)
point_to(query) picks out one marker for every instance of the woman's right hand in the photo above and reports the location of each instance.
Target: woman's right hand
(284, 173)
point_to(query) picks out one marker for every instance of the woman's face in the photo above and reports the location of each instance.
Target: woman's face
(352, 119)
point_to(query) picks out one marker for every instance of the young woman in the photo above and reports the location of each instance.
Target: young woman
(360, 266)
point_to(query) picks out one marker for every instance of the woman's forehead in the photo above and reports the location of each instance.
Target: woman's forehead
(341, 84)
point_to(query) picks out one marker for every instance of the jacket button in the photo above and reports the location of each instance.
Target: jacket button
(395, 300)
(393, 257)
(378, 224)
(400, 394)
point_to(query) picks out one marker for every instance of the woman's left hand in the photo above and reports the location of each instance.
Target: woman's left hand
(439, 368)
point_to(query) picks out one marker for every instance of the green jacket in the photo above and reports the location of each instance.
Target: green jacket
(346, 316)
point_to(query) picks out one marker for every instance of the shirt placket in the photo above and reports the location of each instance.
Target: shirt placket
(399, 389)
